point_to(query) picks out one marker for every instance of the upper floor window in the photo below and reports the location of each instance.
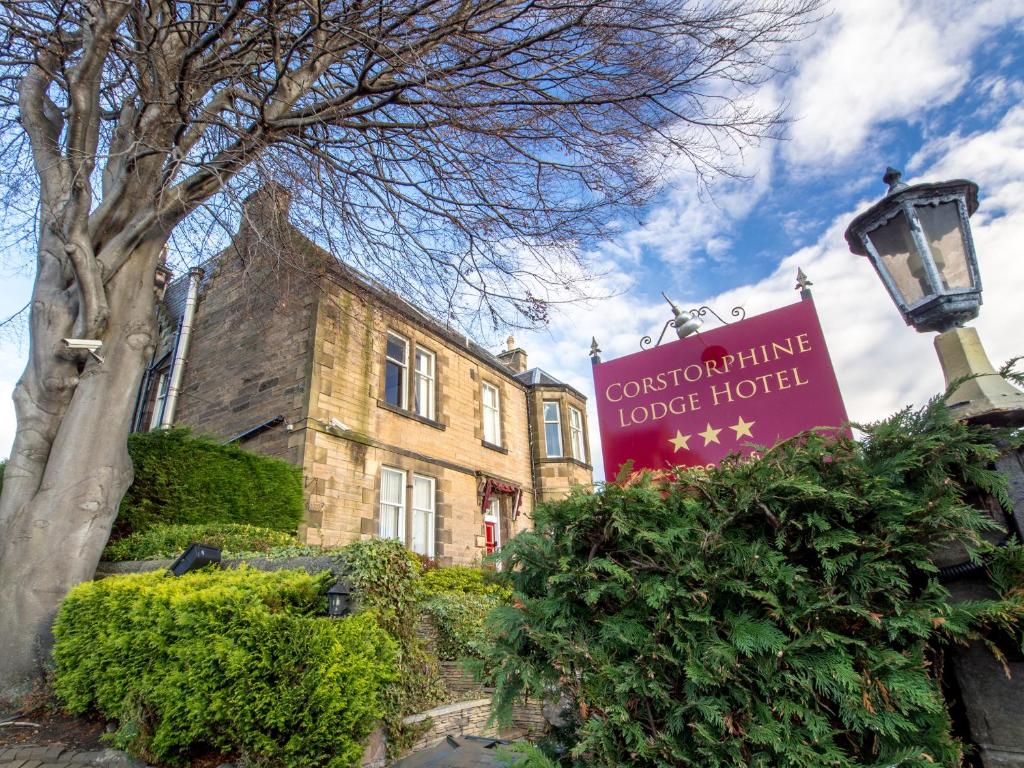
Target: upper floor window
(579, 450)
(552, 429)
(396, 366)
(424, 389)
(492, 414)
(392, 503)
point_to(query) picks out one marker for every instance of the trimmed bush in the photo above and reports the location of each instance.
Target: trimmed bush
(167, 541)
(236, 660)
(458, 618)
(184, 479)
(462, 580)
(780, 613)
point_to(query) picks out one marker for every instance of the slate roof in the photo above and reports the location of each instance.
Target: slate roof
(538, 377)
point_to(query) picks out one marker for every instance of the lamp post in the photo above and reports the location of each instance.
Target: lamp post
(918, 238)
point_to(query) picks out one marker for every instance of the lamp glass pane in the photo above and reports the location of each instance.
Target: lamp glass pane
(942, 229)
(899, 257)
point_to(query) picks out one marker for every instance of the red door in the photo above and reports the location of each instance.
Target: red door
(490, 537)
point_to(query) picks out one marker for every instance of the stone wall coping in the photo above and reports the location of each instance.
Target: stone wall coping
(447, 709)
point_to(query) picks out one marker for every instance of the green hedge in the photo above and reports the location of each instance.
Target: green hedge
(462, 580)
(778, 613)
(167, 541)
(236, 660)
(182, 478)
(384, 577)
(458, 619)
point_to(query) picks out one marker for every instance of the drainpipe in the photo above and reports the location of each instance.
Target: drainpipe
(181, 348)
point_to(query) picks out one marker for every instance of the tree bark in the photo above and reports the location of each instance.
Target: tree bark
(71, 465)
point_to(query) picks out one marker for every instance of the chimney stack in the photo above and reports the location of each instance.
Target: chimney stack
(513, 358)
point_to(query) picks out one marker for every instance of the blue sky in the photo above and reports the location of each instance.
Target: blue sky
(935, 88)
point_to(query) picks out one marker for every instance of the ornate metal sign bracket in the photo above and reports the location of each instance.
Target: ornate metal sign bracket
(689, 321)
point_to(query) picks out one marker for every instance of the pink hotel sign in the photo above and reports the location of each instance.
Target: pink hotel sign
(695, 401)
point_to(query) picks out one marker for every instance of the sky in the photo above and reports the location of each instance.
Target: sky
(935, 88)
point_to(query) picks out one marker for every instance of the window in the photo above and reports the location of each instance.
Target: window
(579, 450)
(492, 526)
(424, 390)
(492, 414)
(422, 515)
(158, 404)
(392, 503)
(395, 367)
(552, 429)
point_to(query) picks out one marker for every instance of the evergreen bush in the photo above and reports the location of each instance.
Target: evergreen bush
(236, 660)
(163, 541)
(185, 479)
(460, 579)
(384, 577)
(458, 619)
(781, 612)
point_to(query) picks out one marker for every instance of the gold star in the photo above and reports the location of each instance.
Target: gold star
(742, 428)
(710, 435)
(680, 441)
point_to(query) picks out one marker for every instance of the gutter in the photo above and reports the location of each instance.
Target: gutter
(181, 349)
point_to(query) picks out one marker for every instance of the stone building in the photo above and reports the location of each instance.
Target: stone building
(402, 427)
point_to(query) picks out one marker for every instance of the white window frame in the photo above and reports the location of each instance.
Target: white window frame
(493, 515)
(558, 425)
(403, 393)
(576, 441)
(427, 379)
(389, 508)
(429, 511)
(491, 414)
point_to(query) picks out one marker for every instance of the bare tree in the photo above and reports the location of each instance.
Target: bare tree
(459, 148)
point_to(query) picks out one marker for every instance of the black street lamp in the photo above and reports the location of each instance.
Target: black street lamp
(918, 238)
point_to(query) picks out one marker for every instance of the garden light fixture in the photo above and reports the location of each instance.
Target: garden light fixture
(918, 238)
(196, 556)
(339, 599)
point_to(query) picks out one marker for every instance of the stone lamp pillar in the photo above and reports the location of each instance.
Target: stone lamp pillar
(918, 239)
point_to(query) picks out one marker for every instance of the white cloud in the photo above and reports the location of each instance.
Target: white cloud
(878, 61)
(881, 364)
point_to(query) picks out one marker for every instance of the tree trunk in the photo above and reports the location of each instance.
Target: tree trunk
(70, 461)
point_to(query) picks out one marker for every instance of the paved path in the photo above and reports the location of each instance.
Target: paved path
(59, 756)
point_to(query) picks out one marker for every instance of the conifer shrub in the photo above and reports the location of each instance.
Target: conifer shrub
(233, 660)
(779, 612)
(164, 541)
(181, 478)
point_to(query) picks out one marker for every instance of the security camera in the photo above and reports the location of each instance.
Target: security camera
(338, 425)
(89, 345)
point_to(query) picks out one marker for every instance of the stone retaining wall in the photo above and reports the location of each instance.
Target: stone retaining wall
(464, 718)
(457, 680)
